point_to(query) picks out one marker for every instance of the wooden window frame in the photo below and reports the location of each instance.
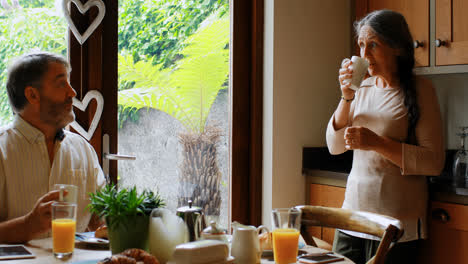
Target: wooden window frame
(94, 67)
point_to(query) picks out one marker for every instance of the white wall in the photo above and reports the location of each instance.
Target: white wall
(305, 42)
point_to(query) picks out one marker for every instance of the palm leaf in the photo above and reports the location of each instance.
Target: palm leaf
(187, 92)
(203, 70)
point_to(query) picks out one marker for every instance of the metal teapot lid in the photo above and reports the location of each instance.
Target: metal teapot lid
(189, 208)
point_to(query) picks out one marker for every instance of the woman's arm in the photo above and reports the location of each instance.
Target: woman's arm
(428, 157)
(340, 118)
(334, 136)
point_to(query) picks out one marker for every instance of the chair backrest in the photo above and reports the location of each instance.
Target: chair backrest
(386, 228)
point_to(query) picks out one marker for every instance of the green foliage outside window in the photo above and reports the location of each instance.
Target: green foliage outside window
(37, 3)
(187, 91)
(23, 30)
(158, 49)
(156, 29)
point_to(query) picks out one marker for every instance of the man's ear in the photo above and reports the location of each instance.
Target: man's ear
(32, 95)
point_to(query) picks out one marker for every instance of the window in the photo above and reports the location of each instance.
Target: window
(174, 101)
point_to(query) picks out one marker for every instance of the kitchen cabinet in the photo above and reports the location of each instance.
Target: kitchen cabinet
(439, 31)
(325, 195)
(451, 32)
(416, 13)
(448, 234)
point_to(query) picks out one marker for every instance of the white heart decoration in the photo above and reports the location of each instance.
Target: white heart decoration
(83, 9)
(93, 94)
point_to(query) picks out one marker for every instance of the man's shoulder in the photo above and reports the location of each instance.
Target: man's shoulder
(5, 130)
(75, 138)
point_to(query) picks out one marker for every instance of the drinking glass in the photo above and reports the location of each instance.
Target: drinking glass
(63, 229)
(460, 173)
(286, 226)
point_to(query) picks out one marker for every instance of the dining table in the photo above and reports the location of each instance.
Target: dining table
(86, 254)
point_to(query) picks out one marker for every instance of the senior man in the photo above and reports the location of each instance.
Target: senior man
(36, 152)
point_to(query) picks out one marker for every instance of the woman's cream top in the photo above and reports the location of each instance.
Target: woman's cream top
(377, 185)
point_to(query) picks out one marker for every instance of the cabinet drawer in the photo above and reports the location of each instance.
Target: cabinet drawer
(325, 195)
(452, 216)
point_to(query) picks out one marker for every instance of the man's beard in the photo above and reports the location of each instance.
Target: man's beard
(55, 114)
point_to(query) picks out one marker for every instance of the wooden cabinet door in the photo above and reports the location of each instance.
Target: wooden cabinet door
(448, 235)
(330, 196)
(451, 28)
(416, 13)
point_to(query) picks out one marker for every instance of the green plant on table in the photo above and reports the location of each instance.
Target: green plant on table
(119, 205)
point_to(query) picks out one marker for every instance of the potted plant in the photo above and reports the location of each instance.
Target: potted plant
(127, 215)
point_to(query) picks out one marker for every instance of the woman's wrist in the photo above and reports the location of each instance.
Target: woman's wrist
(347, 99)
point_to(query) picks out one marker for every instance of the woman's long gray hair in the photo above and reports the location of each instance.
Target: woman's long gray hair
(391, 27)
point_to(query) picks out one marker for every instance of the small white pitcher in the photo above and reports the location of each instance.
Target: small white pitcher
(245, 244)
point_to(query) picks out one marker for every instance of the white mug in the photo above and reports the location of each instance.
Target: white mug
(72, 193)
(359, 67)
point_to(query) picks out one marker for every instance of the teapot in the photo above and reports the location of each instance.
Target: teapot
(245, 246)
(194, 219)
(166, 231)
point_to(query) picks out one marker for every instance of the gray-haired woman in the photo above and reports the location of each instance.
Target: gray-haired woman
(394, 127)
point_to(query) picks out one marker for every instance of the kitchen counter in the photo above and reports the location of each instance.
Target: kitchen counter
(331, 178)
(438, 191)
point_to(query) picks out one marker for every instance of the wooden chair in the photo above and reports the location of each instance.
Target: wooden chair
(386, 228)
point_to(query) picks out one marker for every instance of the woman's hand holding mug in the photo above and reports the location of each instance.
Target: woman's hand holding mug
(351, 74)
(345, 76)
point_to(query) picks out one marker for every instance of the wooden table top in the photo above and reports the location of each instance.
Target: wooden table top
(42, 248)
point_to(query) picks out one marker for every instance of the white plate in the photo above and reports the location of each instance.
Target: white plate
(87, 261)
(89, 238)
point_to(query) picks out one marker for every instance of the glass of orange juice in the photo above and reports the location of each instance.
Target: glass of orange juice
(63, 229)
(286, 226)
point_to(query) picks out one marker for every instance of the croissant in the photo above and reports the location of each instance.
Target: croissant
(265, 241)
(140, 255)
(118, 259)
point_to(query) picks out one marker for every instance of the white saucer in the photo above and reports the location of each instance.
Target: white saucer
(89, 238)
